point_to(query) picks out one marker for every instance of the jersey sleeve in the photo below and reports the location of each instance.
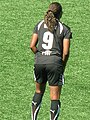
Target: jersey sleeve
(36, 29)
(67, 32)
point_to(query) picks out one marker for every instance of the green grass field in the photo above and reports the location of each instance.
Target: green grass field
(17, 20)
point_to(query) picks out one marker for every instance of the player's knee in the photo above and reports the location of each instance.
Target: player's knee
(55, 92)
(54, 96)
(39, 91)
(40, 88)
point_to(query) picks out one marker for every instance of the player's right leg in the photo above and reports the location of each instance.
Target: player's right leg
(55, 92)
(55, 83)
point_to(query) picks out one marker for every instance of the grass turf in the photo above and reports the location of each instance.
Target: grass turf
(17, 20)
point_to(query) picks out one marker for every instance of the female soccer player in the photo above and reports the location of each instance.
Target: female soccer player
(50, 43)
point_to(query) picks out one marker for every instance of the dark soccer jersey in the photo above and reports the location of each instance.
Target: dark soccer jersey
(50, 44)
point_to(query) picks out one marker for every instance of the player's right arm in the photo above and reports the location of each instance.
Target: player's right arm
(33, 43)
(66, 45)
(66, 51)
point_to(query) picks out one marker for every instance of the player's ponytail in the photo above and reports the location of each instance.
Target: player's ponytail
(50, 20)
(53, 15)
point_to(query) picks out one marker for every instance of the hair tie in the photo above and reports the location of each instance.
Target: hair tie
(49, 11)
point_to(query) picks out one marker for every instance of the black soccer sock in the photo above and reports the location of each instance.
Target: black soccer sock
(55, 109)
(36, 103)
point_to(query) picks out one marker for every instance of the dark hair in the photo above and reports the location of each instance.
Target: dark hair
(52, 16)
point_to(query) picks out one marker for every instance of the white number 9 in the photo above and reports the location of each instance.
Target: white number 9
(48, 40)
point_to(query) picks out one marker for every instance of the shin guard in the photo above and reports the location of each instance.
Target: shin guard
(36, 103)
(55, 109)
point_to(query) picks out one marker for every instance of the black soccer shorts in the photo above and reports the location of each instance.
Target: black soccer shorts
(53, 73)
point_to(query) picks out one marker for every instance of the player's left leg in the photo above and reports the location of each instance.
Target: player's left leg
(37, 99)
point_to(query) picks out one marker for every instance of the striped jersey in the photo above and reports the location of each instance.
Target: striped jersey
(50, 45)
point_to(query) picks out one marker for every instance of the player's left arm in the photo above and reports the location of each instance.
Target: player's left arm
(33, 43)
